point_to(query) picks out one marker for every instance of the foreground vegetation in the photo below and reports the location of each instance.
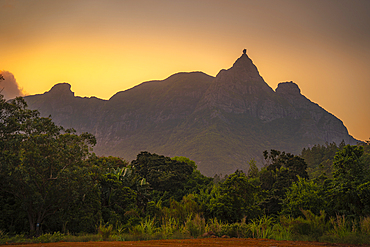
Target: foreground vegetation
(53, 188)
(312, 228)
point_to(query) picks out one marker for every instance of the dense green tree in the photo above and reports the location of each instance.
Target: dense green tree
(106, 163)
(82, 212)
(196, 181)
(348, 189)
(363, 192)
(235, 199)
(253, 169)
(38, 160)
(347, 166)
(281, 170)
(12, 219)
(319, 159)
(165, 176)
(117, 197)
(303, 194)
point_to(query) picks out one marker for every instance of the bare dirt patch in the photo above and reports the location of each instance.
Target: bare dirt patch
(207, 242)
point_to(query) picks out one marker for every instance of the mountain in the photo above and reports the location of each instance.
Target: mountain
(219, 122)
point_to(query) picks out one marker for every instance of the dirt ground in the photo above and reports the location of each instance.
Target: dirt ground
(205, 242)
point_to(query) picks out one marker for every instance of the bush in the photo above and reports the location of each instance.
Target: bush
(105, 231)
(349, 238)
(49, 238)
(314, 226)
(169, 227)
(196, 226)
(365, 225)
(235, 230)
(279, 232)
(215, 226)
(262, 227)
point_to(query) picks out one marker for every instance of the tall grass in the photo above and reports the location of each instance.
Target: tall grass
(365, 225)
(262, 227)
(195, 226)
(311, 228)
(339, 226)
(169, 227)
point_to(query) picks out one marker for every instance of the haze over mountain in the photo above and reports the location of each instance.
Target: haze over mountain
(219, 122)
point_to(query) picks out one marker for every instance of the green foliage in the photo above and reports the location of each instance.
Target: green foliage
(347, 165)
(116, 197)
(39, 161)
(234, 199)
(106, 162)
(49, 238)
(281, 171)
(253, 169)
(303, 194)
(162, 173)
(320, 158)
(312, 226)
(215, 226)
(365, 225)
(345, 231)
(185, 160)
(195, 226)
(105, 231)
(51, 182)
(339, 226)
(182, 211)
(349, 189)
(261, 227)
(169, 227)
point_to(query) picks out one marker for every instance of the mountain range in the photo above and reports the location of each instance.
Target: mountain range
(219, 122)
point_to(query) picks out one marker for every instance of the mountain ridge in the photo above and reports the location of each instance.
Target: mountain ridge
(220, 122)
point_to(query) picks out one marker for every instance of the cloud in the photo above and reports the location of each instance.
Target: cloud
(9, 87)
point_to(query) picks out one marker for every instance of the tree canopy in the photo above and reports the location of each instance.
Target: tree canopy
(40, 162)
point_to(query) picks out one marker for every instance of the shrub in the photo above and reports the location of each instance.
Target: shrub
(262, 227)
(169, 227)
(105, 231)
(365, 225)
(49, 238)
(235, 230)
(339, 226)
(311, 228)
(196, 226)
(215, 226)
(279, 232)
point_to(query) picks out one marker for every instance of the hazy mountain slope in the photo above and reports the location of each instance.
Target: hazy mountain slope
(220, 122)
(144, 117)
(66, 109)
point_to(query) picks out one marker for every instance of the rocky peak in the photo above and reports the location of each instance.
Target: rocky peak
(236, 89)
(288, 88)
(61, 89)
(244, 66)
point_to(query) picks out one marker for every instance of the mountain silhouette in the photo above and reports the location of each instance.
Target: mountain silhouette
(219, 122)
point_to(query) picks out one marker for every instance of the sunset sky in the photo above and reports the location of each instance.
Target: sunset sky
(102, 47)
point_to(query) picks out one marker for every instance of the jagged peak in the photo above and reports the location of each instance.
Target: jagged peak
(288, 87)
(244, 63)
(63, 88)
(243, 74)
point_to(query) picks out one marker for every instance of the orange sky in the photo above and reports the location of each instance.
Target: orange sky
(102, 47)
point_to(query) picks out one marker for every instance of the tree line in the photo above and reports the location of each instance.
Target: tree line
(50, 180)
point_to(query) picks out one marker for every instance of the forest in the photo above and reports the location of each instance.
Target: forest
(53, 186)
